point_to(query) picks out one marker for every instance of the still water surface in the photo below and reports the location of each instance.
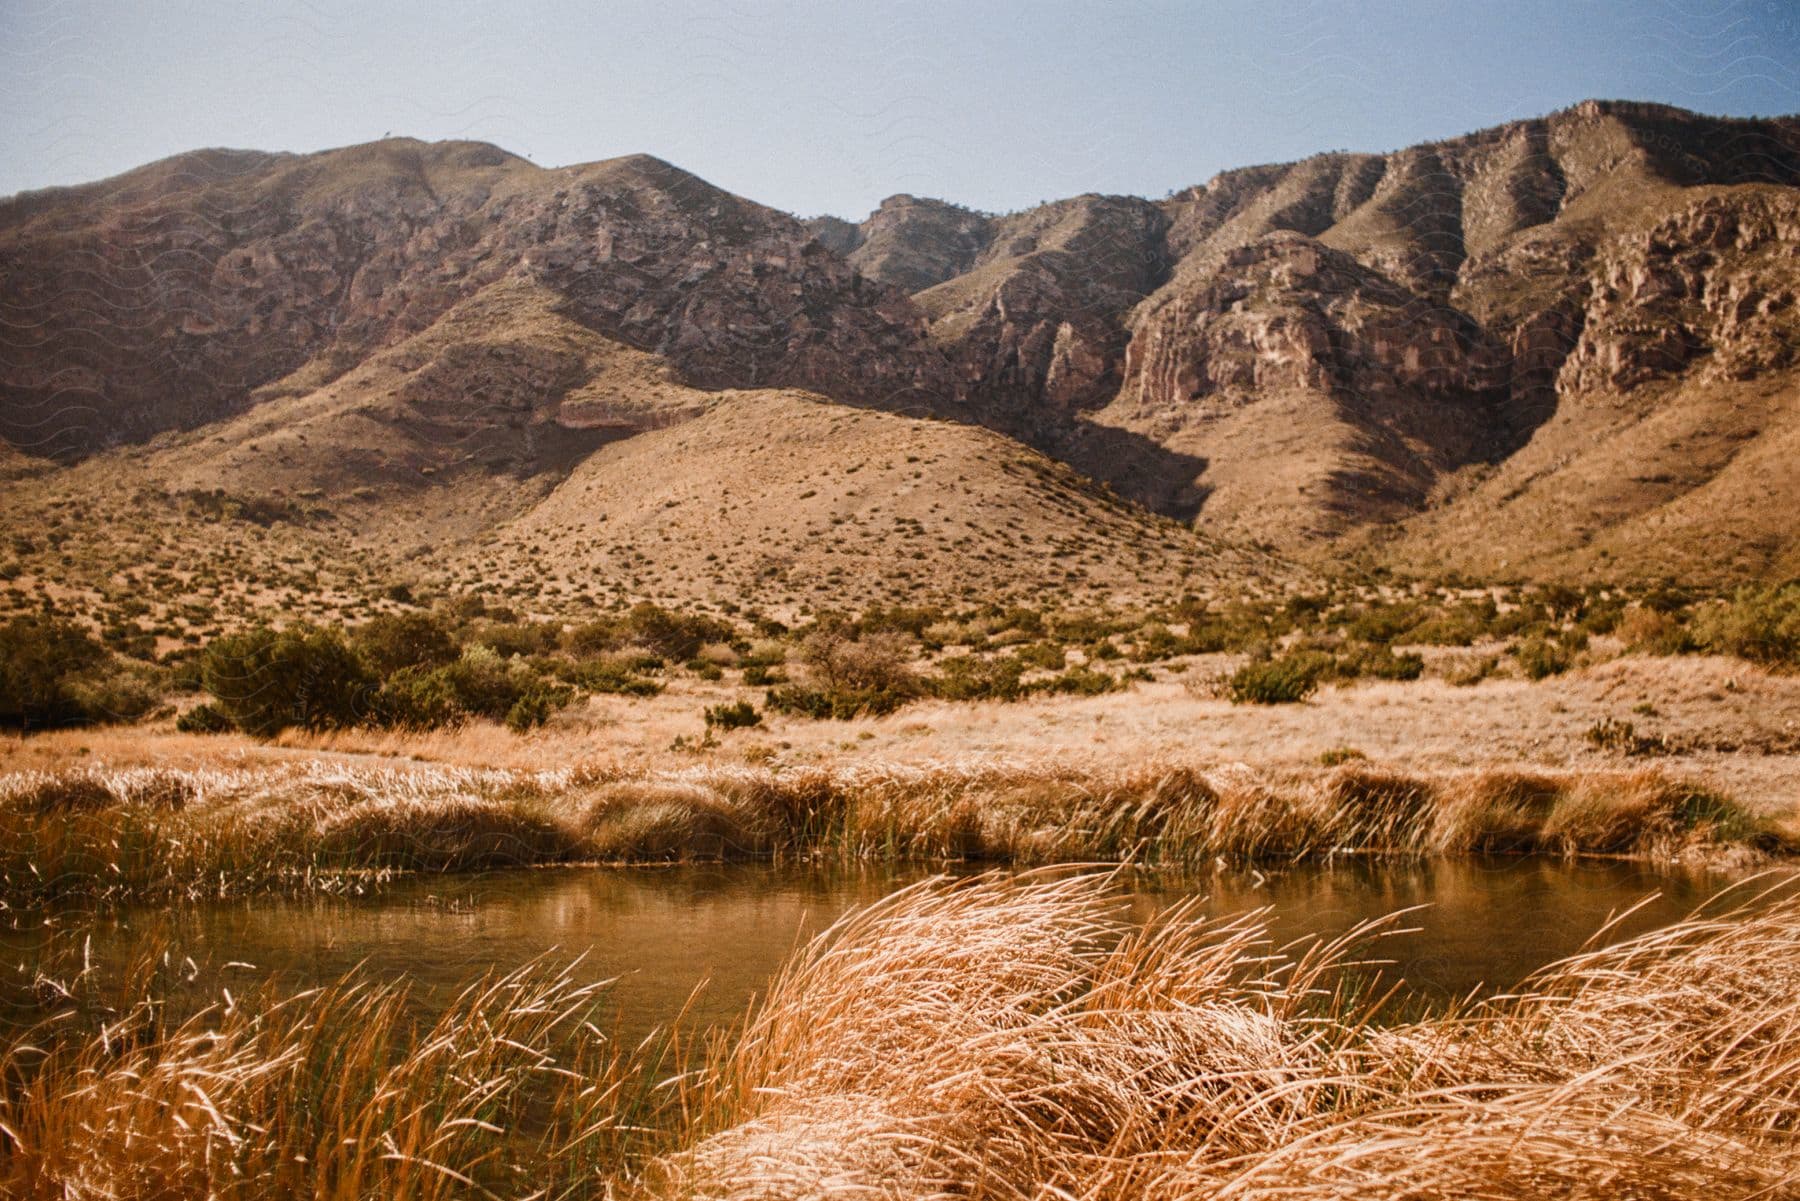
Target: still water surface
(665, 932)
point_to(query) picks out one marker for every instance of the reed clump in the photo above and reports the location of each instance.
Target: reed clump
(340, 1091)
(97, 836)
(996, 1036)
(999, 1039)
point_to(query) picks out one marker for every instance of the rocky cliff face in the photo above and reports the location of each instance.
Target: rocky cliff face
(1292, 352)
(909, 243)
(1037, 321)
(1711, 287)
(163, 298)
(1432, 307)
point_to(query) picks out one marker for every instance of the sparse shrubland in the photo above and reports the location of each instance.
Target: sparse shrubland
(422, 668)
(849, 673)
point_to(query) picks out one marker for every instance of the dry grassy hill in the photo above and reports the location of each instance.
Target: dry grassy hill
(783, 501)
(509, 451)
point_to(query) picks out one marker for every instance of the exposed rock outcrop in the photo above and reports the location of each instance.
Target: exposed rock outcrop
(913, 243)
(163, 298)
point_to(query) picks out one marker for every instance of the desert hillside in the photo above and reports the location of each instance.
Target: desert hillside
(1570, 334)
(1560, 348)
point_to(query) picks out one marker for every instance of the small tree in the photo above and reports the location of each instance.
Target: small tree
(40, 657)
(266, 680)
(393, 642)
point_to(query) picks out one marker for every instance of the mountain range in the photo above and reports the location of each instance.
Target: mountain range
(1562, 348)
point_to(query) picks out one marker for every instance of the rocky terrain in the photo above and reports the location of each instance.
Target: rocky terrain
(177, 294)
(1563, 347)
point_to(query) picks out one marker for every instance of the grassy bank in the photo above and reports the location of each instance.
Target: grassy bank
(995, 1037)
(98, 836)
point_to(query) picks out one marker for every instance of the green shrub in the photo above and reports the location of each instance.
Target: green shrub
(115, 692)
(1562, 599)
(898, 619)
(1382, 622)
(594, 638)
(1540, 658)
(1603, 616)
(534, 706)
(1284, 679)
(1237, 627)
(393, 642)
(1047, 655)
(1469, 672)
(809, 702)
(1462, 624)
(677, 636)
(514, 638)
(1382, 663)
(973, 678)
(868, 667)
(767, 653)
(1761, 625)
(266, 680)
(418, 698)
(1085, 627)
(1156, 642)
(613, 676)
(41, 658)
(847, 675)
(1653, 632)
(1078, 681)
(205, 718)
(485, 685)
(735, 716)
(479, 684)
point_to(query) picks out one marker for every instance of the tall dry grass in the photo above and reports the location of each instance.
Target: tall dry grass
(1000, 1037)
(166, 834)
(1000, 1040)
(338, 1092)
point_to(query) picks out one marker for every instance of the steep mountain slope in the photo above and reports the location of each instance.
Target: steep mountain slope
(163, 298)
(1671, 449)
(1327, 348)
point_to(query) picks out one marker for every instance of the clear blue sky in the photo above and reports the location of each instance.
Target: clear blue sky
(818, 107)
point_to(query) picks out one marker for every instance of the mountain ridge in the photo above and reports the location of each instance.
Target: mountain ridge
(1399, 360)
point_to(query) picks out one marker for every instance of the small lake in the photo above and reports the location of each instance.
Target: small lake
(664, 932)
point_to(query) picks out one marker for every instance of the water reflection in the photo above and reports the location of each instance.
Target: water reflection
(663, 932)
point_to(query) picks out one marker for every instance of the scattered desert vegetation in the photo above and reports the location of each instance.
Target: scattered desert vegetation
(994, 1037)
(419, 666)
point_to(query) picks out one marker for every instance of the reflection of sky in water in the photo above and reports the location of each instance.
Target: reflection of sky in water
(662, 932)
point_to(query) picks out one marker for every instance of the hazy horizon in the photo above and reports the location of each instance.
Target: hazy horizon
(815, 110)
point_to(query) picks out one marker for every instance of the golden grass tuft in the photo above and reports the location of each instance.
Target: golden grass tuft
(334, 1092)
